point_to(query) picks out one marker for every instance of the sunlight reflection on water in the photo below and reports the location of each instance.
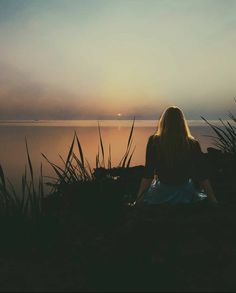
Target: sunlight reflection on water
(54, 137)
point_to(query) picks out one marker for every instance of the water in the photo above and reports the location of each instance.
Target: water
(54, 137)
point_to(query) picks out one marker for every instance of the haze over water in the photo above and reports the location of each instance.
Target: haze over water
(54, 137)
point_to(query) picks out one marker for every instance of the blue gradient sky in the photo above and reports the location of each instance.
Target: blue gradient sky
(94, 59)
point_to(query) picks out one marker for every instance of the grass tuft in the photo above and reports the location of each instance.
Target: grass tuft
(225, 136)
(27, 201)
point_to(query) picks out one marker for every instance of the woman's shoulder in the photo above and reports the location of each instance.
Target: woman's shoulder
(154, 138)
(194, 143)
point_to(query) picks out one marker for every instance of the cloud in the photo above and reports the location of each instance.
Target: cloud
(23, 98)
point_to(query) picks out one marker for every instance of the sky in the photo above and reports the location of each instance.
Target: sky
(95, 59)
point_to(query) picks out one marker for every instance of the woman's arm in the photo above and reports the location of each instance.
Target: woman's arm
(144, 185)
(202, 173)
(206, 186)
(148, 175)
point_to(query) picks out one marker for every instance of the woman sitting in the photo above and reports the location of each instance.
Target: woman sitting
(175, 164)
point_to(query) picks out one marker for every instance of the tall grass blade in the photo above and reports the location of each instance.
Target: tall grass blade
(127, 154)
(2, 177)
(29, 161)
(80, 149)
(129, 144)
(131, 132)
(101, 144)
(70, 151)
(84, 173)
(109, 157)
(98, 159)
(55, 168)
(233, 129)
(130, 158)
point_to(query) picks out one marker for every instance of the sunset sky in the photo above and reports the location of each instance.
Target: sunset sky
(71, 59)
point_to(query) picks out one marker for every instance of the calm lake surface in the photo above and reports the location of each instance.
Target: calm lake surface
(54, 137)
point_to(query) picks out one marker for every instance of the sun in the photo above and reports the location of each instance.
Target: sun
(119, 114)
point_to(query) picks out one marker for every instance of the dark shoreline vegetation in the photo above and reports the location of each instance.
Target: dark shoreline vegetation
(83, 236)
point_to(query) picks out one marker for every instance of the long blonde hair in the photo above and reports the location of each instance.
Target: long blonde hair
(174, 133)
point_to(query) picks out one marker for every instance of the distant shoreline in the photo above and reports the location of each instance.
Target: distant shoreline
(94, 123)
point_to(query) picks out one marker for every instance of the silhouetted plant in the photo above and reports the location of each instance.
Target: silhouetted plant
(24, 202)
(28, 201)
(225, 138)
(75, 170)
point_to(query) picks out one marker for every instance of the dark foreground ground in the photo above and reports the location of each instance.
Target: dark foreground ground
(89, 240)
(152, 249)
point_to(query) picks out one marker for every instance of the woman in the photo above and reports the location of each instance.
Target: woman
(176, 161)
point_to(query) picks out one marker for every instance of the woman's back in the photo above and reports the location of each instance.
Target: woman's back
(175, 157)
(187, 163)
